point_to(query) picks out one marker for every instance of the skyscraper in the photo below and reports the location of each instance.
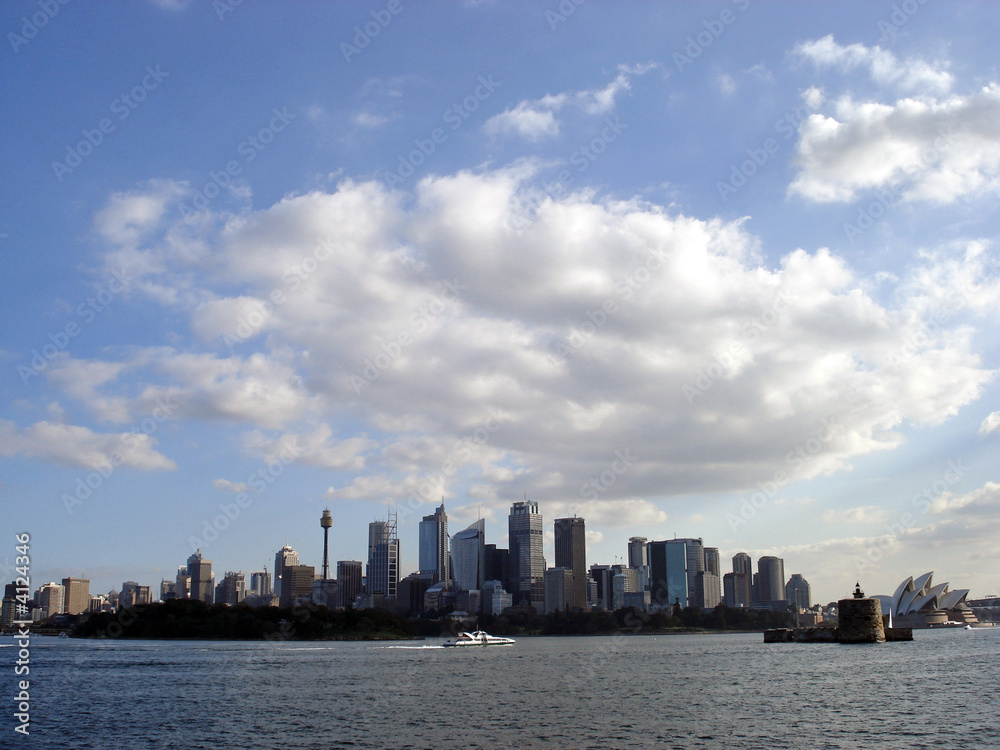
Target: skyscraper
(297, 584)
(232, 589)
(76, 597)
(202, 581)
(497, 564)
(527, 568)
(638, 552)
(673, 568)
(285, 556)
(260, 583)
(349, 581)
(559, 583)
(433, 545)
(468, 557)
(771, 579)
(797, 591)
(743, 580)
(383, 560)
(571, 553)
(50, 597)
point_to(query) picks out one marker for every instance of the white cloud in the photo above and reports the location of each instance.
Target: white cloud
(990, 424)
(882, 65)
(927, 149)
(535, 119)
(593, 326)
(235, 487)
(73, 445)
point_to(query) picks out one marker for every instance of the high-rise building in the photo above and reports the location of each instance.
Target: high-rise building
(202, 580)
(168, 589)
(712, 561)
(707, 592)
(182, 584)
(348, 581)
(797, 591)
(232, 589)
(559, 589)
(495, 598)
(673, 565)
(497, 564)
(131, 595)
(468, 557)
(297, 584)
(771, 579)
(433, 545)
(736, 591)
(743, 566)
(624, 581)
(77, 595)
(285, 556)
(603, 575)
(50, 597)
(383, 561)
(260, 583)
(571, 553)
(527, 566)
(638, 552)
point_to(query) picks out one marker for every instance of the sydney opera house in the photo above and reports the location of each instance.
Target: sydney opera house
(919, 604)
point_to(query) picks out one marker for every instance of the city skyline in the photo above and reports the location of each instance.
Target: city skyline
(724, 270)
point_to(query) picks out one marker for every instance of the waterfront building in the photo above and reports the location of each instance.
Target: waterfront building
(297, 584)
(602, 575)
(736, 590)
(495, 598)
(260, 583)
(560, 589)
(232, 589)
(797, 592)
(712, 561)
(325, 592)
(527, 566)
(202, 580)
(411, 594)
(673, 566)
(51, 597)
(433, 545)
(571, 553)
(770, 582)
(707, 593)
(743, 566)
(918, 603)
(76, 595)
(131, 595)
(349, 581)
(497, 563)
(624, 581)
(168, 589)
(468, 557)
(382, 577)
(285, 556)
(182, 584)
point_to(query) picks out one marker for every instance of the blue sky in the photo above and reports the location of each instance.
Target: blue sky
(726, 270)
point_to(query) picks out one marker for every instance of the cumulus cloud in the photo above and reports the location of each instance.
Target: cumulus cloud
(882, 65)
(990, 424)
(609, 341)
(918, 149)
(536, 119)
(72, 445)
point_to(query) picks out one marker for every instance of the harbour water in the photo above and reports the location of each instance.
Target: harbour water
(683, 691)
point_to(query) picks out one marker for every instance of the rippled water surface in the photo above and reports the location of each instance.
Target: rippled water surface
(687, 691)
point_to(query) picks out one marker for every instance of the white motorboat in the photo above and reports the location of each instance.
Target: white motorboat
(479, 638)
